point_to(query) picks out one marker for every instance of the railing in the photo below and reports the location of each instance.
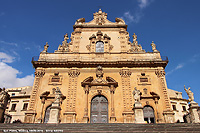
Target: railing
(97, 59)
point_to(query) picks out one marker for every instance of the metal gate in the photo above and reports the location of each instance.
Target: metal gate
(99, 109)
(148, 114)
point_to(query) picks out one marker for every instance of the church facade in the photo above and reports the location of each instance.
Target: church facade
(91, 78)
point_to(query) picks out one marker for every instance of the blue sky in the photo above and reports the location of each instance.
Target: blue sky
(174, 26)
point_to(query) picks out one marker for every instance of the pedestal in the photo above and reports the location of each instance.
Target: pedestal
(54, 113)
(70, 117)
(194, 116)
(168, 116)
(30, 116)
(112, 119)
(85, 119)
(138, 111)
(2, 110)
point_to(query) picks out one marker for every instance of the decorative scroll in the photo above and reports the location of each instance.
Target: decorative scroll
(126, 87)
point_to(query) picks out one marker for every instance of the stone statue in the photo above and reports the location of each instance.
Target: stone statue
(3, 96)
(45, 47)
(189, 93)
(136, 95)
(153, 45)
(134, 37)
(66, 37)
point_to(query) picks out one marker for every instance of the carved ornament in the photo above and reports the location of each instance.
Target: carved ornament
(160, 73)
(39, 73)
(135, 47)
(125, 73)
(73, 72)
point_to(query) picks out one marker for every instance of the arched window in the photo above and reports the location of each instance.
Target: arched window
(99, 47)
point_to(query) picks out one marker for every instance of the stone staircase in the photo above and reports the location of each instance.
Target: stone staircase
(102, 128)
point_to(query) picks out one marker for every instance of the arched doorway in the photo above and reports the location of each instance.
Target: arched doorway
(149, 116)
(99, 109)
(47, 112)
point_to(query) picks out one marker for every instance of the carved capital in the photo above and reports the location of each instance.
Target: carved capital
(73, 73)
(39, 73)
(125, 73)
(160, 73)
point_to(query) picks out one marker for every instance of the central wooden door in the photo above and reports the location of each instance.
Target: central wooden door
(99, 110)
(148, 114)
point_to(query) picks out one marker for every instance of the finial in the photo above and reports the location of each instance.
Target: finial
(100, 11)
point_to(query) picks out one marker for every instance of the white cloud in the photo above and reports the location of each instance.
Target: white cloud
(176, 68)
(144, 3)
(128, 17)
(8, 74)
(8, 43)
(8, 77)
(6, 58)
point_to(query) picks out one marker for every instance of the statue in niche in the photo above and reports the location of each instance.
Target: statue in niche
(153, 45)
(189, 93)
(45, 47)
(136, 95)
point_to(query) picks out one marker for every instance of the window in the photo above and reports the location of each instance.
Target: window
(143, 79)
(174, 107)
(56, 77)
(99, 46)
(13, 94)
(25, 106)
(13, 107)
(184, 108)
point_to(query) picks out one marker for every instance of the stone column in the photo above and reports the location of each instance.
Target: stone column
(31, 113)
(70, 114)
(86, 117)
(112, 91)
(127, 97)
(167, 113)
(194, 116)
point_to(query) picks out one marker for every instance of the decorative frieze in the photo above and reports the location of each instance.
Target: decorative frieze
(125, 73)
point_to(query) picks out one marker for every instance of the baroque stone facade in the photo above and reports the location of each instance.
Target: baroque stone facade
(97, 71)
